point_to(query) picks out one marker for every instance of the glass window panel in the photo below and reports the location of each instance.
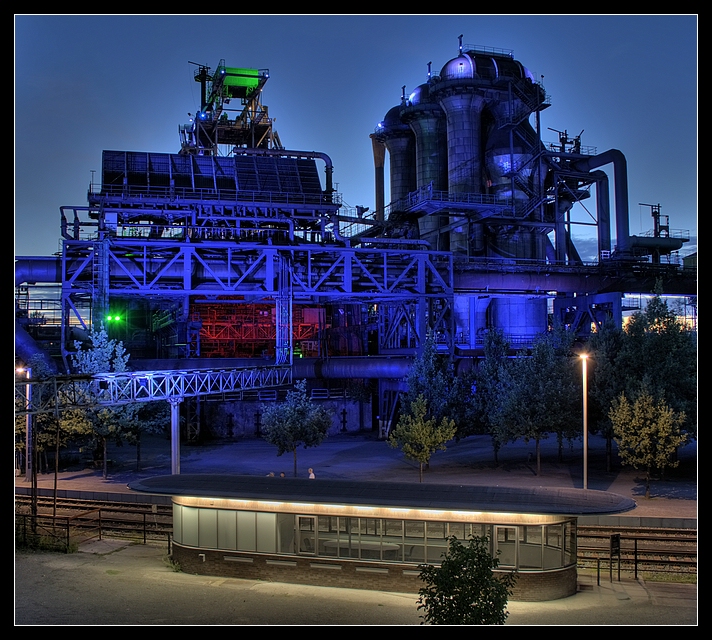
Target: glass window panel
(307, 534)
(328, 536)
(414, 553)
(393, 528)
(435, 551)
(414, 529)
(506, 546)
(530, 547)
(372, 527)
(482, 530)
(437, 530)
(554, 536)
(531, 534)
(352, 536)
(457, 529)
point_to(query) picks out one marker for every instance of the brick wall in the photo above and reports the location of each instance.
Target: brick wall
(352, 574)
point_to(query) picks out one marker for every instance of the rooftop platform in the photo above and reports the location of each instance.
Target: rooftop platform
(540, 500)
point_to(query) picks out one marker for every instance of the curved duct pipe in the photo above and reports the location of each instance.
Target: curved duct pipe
(603, 209)
(296, 154)
(26, 348)
(620, 174)
(29, 270)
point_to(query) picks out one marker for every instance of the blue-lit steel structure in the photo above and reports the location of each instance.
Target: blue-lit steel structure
(237, 248)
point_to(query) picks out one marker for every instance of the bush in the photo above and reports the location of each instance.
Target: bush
(464, 589)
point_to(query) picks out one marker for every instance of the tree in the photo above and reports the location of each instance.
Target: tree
(419, 436)
(464, 588)
(447, 394)
(492, 380)
(295, 422)
(656, 350)
(98, 422)
(607, 379)
(543, 393)
(647, 433)
(661, 351)
(430, 377)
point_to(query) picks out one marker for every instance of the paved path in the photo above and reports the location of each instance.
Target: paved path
(112, 583)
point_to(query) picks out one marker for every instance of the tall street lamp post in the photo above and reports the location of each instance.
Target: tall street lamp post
(584, 361)
(30, 446)
(28, 424)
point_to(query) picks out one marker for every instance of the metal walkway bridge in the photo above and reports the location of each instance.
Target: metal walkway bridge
(60, 393)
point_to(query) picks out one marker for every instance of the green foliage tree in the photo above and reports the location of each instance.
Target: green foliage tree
(607, 380)
(543, 393)
(647, 433)
(654, 350)
(96, 422)
(430, 377)
(464, 589)
(492, 383)
(447, 394)
(662, 353)
(419, 436)
(296, 422)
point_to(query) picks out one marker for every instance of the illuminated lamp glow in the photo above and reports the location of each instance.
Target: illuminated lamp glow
(353, 510)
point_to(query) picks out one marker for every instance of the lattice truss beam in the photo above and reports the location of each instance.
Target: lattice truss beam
(154, 268)
(61, 393)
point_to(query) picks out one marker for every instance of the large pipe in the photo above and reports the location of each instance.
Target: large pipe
(620, 175)
(353, 367)
(396, 367)
(31, 270)
(379, 162)
(26, 348)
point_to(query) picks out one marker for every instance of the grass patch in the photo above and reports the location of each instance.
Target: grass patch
(172, 564)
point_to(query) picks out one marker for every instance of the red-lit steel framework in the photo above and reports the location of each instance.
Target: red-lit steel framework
(233, 328)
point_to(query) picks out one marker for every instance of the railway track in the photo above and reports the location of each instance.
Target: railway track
(638, 549)
(641, 548)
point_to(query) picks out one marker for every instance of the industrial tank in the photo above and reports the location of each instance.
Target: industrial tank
(475, 145)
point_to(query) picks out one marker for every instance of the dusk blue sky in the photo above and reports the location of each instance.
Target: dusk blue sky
(87, 83)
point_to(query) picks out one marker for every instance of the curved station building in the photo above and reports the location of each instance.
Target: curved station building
(370, 535)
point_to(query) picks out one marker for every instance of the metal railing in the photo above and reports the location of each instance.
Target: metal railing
(66, 532)
(112, 193)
